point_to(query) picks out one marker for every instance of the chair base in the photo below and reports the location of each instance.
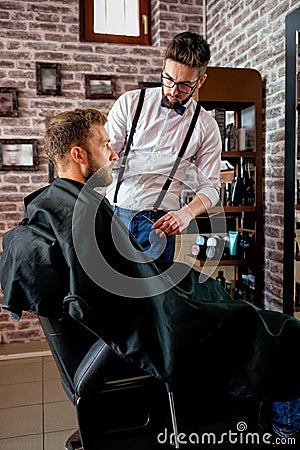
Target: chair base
(74, 442)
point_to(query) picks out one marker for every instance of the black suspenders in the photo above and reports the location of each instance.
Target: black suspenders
(178, 159)
(132, 131)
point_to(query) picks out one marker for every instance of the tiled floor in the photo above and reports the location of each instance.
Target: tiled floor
(35, 413)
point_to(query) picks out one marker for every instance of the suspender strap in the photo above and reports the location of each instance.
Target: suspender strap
(129, 142)
(178, 159)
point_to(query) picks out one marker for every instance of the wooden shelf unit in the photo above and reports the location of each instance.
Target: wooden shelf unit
(211, 262)
(238, 90)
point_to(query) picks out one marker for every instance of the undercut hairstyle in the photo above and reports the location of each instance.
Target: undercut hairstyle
(69, 129)
(190, 49)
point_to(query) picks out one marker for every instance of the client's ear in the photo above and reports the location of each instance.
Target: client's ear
(78, 155)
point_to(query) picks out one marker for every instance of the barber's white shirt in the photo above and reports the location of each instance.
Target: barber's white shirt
(159, 135)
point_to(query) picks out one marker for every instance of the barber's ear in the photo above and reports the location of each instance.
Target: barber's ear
(78, 155)
(202, 80)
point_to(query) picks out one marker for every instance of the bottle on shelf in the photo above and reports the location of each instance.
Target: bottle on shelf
(225, 193)
(198, 249)
(248, 197)
(246, 245)
(231, 138)
(215, 246)
(236, 195)
(228, 287)
(220, 278)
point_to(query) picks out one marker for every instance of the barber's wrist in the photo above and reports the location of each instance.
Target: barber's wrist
(188, 212)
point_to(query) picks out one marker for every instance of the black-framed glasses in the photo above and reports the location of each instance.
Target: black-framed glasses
(181, 86)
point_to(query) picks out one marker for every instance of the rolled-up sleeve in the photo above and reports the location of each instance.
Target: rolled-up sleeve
(208, 161)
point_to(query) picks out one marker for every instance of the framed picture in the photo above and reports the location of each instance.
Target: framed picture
(99, 86)
(48, 78)
(18, 154)
(149, 84)
(8, 102)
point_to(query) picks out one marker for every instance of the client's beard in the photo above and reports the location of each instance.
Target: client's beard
(102, 176)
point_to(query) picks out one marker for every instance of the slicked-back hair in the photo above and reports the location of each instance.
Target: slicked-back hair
(69, 129)
(190, 49)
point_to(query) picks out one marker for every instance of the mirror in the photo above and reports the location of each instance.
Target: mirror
(292, 164)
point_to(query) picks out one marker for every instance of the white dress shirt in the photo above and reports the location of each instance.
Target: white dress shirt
(159, 135)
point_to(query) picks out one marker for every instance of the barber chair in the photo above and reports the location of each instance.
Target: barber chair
(118, 406)
(114, 401)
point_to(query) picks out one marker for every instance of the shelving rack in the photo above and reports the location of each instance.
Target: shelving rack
(240, 91)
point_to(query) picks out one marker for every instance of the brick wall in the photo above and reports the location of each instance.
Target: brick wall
(247, 33)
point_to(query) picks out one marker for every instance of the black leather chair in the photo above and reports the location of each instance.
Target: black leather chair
(114, 401)
(118, 406)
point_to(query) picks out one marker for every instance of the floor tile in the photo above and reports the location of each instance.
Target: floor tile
(34, 442)
(17, 351)
(56, 441)
(21, 394)
(35, 412)
(21, 421)
(20, 371)
(59, 416)
(54, 392)
(50, 370)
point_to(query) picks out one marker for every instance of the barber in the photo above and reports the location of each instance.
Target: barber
(147, 186)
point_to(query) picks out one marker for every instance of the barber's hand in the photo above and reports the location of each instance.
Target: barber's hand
(173, 222)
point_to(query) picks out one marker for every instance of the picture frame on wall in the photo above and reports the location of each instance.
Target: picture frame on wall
(19, 154)
(8, 102)
(99, 86)
(48, 78)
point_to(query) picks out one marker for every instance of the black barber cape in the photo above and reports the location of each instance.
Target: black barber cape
(73, 256)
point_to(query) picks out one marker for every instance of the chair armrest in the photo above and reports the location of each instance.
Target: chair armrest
(101, 365)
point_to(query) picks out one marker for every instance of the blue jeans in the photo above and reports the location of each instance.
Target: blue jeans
(157, 248)
(285, 417)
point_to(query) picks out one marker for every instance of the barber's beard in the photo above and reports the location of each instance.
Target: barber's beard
(102, 174)
(173, 105)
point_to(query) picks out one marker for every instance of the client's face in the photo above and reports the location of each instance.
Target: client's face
(101, 156)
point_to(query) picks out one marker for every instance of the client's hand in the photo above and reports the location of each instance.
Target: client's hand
(173, 222)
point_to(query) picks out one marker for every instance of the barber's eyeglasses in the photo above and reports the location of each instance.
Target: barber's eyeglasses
(182, 87)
